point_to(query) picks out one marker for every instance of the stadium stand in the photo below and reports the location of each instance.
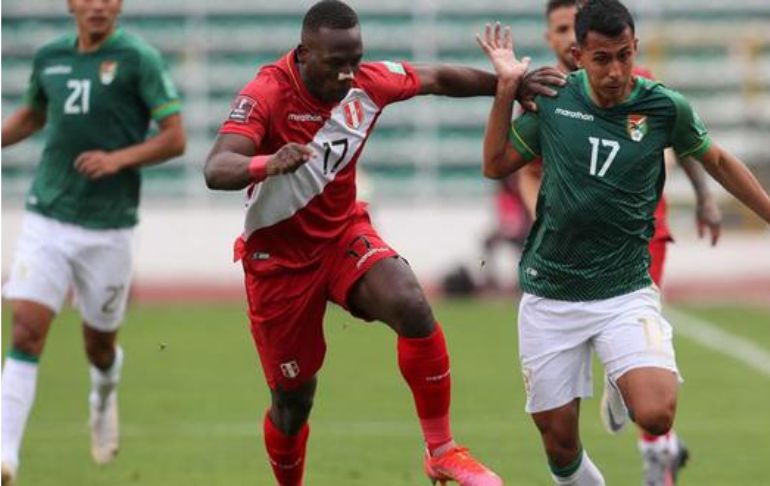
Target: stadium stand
(717, 53)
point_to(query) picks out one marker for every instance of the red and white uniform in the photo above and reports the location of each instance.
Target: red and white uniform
(290, 218)
(306, 240)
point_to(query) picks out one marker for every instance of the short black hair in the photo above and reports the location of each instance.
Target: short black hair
(557, 4)
(332, 14)
(606, 17)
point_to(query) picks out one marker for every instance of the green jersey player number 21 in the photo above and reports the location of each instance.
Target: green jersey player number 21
(97, 90)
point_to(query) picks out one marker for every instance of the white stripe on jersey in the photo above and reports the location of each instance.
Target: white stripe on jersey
(278, 198)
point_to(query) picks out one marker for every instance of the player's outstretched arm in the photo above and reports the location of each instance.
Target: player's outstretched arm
(500, 158)
(232, 164)
(21, 124)
(734, 176)
(168, 143)
(463, 81)
(707, 213)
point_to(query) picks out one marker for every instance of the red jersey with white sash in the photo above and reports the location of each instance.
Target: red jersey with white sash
(290, 218)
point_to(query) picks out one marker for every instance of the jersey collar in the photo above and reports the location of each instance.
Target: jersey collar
(117, 34)
(299, 85)
(586, 89)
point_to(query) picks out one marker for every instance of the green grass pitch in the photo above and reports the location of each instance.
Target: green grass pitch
(193, 397)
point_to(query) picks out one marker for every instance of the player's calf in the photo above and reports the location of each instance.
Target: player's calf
(100, 347)
(559, 431)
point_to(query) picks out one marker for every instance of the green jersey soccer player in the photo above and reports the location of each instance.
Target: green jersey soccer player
(584, 270)
(97, 91)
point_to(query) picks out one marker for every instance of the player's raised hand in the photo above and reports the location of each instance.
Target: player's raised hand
(497, 44)
(288, 159)
(709, 217)
(95, 164)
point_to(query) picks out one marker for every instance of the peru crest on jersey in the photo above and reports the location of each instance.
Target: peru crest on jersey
(354, 113)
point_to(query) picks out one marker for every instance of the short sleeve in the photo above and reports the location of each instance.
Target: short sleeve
(525, 135)
(689, 136)
(389, 82)
(156, 87)
(35, 96)
(249, 113)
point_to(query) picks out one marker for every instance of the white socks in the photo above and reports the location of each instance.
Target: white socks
(18, 394)
(587, 474)
(103, 383)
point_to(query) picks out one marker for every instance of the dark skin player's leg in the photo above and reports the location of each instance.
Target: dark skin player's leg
(100, 346)
(31, 322)
(290, 409)
(389, 292)
(559, 430)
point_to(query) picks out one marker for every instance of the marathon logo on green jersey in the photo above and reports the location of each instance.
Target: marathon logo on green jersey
(637, 127)
(578, 115)
(57, 69)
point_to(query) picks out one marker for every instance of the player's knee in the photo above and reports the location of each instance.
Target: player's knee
(29, 332)
(412, 315)
(657, 419)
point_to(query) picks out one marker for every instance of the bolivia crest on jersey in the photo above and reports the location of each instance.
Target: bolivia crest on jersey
(637, 127)
(354, 113)
(107, 71)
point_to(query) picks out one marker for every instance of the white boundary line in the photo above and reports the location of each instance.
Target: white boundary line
(717, 339)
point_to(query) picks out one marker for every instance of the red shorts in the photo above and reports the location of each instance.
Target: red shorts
(658, 259)
(286, 308)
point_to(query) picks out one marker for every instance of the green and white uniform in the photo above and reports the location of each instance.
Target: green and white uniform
(603, 173)
(101, 100)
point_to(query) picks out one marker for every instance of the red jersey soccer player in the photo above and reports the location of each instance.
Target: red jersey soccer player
(293, 138)
(662, 456)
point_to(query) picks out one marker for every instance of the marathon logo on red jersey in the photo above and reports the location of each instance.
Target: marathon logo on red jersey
(305, 117)
(362, 249)
(354, 113)
(241, 109)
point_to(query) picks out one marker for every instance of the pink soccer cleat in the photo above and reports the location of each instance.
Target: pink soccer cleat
(458, 465)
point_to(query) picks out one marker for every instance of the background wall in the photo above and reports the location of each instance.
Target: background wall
(422, 164)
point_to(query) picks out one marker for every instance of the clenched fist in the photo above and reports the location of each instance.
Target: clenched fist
(288, 159)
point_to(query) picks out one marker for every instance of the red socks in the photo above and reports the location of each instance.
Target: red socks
(652, 438)
(286, 453)
(424, 364)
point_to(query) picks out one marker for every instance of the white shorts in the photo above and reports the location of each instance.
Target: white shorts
(52, 256)
(556, 338)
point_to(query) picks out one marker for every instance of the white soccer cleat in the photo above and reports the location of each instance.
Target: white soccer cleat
(8, 474)
(612, 411)
(662, 460)
(104, 429)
